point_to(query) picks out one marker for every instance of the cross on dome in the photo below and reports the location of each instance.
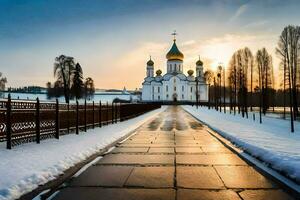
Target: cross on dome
(174, 35)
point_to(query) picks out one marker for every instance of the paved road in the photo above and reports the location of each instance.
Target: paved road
(171, 157)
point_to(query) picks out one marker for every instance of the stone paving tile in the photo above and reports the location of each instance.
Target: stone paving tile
(130, 150)
(138, 141)
(161, 150)
(151, 177)
(265, 194)
(188, 145)
(147, 145)
(215, 149)
(188, 150)
(198, 177)
(186, 142)
(186, 194)
(242, 177)
(212, 159)
(103, 176)
(115, 194)
(137, 159)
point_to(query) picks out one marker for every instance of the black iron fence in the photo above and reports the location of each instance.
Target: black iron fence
(32, 121)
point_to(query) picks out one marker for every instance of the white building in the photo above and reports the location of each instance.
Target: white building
(174, 86)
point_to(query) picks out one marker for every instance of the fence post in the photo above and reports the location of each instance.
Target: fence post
(37, 121)
(93, 114)
(57, 120)
(77, 117)
(112, 113)
(85, 121)
(120, 111)
(8, 122)
(107, 113)
(100, 117)
(116, 113)
(68, 117)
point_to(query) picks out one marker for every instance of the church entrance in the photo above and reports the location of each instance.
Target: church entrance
(175, 97)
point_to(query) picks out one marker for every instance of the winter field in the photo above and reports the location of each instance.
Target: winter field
(26, 166)
(271, 141)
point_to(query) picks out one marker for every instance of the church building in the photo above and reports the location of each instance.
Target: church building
(174, 86)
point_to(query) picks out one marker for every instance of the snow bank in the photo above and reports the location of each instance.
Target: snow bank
(271, 141)
(25, 167)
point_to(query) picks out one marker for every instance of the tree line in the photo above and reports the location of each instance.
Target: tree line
(69, 80)
(251, 82)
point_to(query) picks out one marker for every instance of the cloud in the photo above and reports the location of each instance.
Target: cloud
(257, 24)
(239, 12)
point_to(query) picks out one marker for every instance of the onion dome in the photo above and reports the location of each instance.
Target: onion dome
(199, 62)
(150, 62)
(190, 72)
(158, 72)
(174, 53)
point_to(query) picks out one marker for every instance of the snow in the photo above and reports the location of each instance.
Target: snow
(26, 166)
(271, 142)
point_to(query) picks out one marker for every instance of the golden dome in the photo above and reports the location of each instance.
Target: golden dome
(174, 53)
(190, 72)
(158, 72)
(199, 62)
(150, 62)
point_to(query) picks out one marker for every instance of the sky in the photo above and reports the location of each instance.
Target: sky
(113, 39)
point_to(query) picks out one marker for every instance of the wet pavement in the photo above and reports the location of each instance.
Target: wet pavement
(171, 157)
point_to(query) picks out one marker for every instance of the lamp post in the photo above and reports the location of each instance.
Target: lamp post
(220, 85)
(224, 90)
(197, 93)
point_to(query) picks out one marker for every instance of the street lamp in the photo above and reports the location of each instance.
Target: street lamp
(220, 86)
(197, 92)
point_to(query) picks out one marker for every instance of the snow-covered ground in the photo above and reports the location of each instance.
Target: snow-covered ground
(271, 141)
(26, 166)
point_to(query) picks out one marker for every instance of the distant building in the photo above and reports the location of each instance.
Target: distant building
(174, 85)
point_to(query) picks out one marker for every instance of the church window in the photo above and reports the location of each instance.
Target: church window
(167, 88)
(191, 89)
(167, 96)
(175, 68)
(158, 89)
(174, 80)
(191, 97)
(182, 88)
(174, 88)
(152, 96)
(182, 96)
(152, 89)
(158, 97)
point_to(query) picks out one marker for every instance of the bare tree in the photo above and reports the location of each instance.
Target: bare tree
(3, 81)
(287, 50)
(63, 67)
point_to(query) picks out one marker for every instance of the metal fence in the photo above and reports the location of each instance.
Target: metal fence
(32, 121)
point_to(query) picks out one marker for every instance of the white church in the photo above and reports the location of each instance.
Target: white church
(174, 86)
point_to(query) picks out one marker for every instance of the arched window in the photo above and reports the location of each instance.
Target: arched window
(191, 89)
(175, 68)
(182, 88)
(167, 96)
(158, 89)
(167, 88)
(174, 88)
(182, 96)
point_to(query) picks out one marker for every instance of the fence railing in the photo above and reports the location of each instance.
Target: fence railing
(32, 121)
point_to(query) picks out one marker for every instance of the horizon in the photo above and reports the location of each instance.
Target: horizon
(113, 40)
